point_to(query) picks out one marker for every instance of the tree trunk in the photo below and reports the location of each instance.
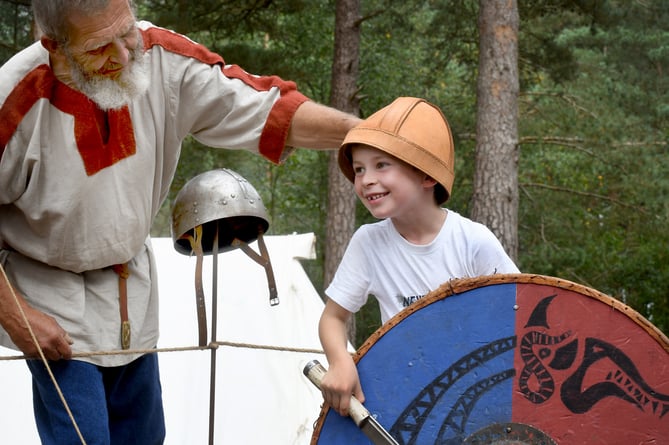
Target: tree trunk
(183, 23)
(495, 197)
(341, 199)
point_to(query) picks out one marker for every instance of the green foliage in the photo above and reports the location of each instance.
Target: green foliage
(593, 169)
(15, 27)
(594, 177)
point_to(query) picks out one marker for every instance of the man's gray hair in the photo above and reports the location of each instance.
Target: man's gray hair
(51, 15)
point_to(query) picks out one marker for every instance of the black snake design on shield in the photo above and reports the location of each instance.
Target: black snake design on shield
(534, 365)
(623, 380)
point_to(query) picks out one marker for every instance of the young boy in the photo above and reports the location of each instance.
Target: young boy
(400, 161)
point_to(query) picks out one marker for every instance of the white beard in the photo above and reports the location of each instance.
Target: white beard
(112, 94)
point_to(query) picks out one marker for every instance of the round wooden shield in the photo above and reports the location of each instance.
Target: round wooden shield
(512, 359)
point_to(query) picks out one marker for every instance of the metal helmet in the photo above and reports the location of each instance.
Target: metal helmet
(218, 199)
(414, 131)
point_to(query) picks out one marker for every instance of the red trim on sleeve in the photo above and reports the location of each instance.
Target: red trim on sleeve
(274, 135)
(260, 83)
(183, 46)
(178, 44)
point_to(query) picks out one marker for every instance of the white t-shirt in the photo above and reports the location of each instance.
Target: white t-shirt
(380, 262)
(73, 204)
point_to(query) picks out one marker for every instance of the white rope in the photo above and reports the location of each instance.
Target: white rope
(213, 345)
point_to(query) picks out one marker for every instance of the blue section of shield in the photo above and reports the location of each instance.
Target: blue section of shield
(440, 374)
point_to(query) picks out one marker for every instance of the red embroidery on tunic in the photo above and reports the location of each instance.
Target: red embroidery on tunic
(95, 153)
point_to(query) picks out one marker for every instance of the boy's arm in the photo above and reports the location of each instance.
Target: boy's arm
(341, 381)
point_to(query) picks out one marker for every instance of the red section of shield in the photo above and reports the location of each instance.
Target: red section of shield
(619, 360)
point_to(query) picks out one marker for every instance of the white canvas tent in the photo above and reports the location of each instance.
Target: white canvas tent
(261, 395)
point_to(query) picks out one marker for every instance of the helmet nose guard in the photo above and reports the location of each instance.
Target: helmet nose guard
(218, 199)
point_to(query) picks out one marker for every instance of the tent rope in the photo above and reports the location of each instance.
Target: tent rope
(212, 345)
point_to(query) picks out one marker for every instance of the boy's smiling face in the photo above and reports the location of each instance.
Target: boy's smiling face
(387, 186)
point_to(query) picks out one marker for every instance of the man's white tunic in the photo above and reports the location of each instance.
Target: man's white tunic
(73, 204)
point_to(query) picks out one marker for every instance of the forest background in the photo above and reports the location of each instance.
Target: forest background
(593, 120)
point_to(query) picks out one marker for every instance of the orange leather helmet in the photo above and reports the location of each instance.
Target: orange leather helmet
(414, 131)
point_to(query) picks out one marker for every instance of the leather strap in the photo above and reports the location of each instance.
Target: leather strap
(123, 273)
(196, 246)
(271, 284)
(264, 261)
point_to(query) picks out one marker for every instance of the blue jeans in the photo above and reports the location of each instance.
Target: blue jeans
(111, 406)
